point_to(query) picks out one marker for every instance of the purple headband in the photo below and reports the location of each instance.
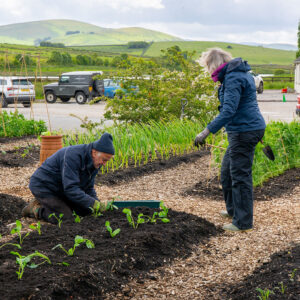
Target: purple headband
(215, 74)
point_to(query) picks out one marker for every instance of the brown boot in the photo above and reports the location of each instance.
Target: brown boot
(31, 210)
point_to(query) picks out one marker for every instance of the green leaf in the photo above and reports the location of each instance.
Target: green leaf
(117, 231)
(33, 266)
(90, 244)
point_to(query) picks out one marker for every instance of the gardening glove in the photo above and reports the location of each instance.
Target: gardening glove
(200, 138)
(99, 204)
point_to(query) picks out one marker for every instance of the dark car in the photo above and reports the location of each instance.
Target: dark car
(79, 85)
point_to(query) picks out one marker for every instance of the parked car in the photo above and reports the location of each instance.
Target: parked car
(111, 86)
(16, 89)
(259, 82)
(79, 84)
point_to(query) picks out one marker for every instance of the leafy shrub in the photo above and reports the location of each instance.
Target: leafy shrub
(279, 72)
(15, 124)
(137, 45)
(158, 95)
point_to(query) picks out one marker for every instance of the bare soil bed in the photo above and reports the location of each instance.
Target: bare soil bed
(110, 265)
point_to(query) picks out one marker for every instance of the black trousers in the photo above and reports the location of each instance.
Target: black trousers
(236, 176)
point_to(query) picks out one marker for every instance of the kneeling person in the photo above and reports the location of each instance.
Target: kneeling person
(65, 181)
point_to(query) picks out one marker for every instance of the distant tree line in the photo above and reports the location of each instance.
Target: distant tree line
(137, 45)
(49, 44)
(72, 32)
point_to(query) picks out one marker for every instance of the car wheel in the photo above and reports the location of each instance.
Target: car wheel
(260, 88)
(3, 101)
(26, 104)
(50, 97)
(65, 99)
(80, 98)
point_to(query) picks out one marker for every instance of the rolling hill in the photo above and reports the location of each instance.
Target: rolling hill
(72, 33)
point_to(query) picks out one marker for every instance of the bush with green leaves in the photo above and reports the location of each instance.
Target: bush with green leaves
(15, 124)
(160, 91)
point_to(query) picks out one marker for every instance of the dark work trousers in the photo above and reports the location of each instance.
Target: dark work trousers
(236, 176)
(51, 204)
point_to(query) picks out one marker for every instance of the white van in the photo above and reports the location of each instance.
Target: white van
(16, 89)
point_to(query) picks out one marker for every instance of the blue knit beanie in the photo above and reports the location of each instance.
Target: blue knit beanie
(105, 144)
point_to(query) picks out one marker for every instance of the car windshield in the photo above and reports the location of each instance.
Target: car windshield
(21, 82)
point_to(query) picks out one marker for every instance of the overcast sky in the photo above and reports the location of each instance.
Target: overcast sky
(260, 21)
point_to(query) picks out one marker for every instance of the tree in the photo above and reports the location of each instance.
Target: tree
(66, 59)
(298, 52)
(55, 58)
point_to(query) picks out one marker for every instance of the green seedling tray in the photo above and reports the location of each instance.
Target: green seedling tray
(134, 203)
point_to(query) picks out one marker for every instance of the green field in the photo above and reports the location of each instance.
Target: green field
(254, 55)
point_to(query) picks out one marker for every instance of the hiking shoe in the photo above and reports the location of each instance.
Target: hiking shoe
(233, 228)
(225, 214)
(31, 210)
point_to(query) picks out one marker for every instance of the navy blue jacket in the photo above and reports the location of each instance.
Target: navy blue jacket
(239, 110)
(68, 174)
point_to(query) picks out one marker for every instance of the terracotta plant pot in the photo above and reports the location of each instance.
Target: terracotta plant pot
(49, 145)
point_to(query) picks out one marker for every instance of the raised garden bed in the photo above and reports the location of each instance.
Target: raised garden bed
(110, 265)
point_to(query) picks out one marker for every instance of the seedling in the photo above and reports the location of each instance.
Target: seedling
(96, 210)
(109, 229)
(164, 212)
(264, 294)
(22, 261)
(110, 206)
(17, 230)
(3, 152)
(292, 275)
(281, 288)
(63, 263)
(59, 218)
(78, 241)
(140, 218)
(36, 227)
(16, 245)
(77, 217)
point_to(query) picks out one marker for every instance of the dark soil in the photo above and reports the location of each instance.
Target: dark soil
(269, 276)
(110, 265)
(274, 187)
(10, 209)
(132, 172)
(20, 157)
(4, 140)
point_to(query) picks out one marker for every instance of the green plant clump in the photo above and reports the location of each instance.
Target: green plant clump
(15, 124)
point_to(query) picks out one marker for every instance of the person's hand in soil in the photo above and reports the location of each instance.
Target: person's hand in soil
(200, 138)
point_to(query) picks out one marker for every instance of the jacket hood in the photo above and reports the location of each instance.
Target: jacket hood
(235, 65)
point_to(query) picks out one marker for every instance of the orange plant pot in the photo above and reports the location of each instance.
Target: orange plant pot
(49, 145)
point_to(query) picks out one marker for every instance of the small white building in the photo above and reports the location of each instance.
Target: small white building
(297, 75)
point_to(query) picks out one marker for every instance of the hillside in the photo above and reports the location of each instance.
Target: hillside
(72, 33)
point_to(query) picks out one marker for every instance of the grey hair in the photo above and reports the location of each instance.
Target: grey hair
(213, 58)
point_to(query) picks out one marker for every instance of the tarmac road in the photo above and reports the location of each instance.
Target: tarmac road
(270, 103)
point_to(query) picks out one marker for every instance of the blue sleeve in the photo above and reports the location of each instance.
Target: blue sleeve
(71, 181)
(232, 95)
(90, 190)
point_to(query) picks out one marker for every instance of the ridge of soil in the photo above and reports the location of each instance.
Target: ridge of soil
(269, 276)
(21, 157)
(132, 172)
(274, 187)
(10, 209)
(110, 265)
(4, 140)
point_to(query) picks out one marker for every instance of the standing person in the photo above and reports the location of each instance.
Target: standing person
(245, 127)
(65, 181)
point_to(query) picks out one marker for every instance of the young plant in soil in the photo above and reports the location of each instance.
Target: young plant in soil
(96, 211)
(110, 206)
(264, 294)
(77, 217)
(36, 226)
(22, 261)
(78, 241)
(6, 244)
(17, 230)
(109, 229)
(59, 218)
(140, 218)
